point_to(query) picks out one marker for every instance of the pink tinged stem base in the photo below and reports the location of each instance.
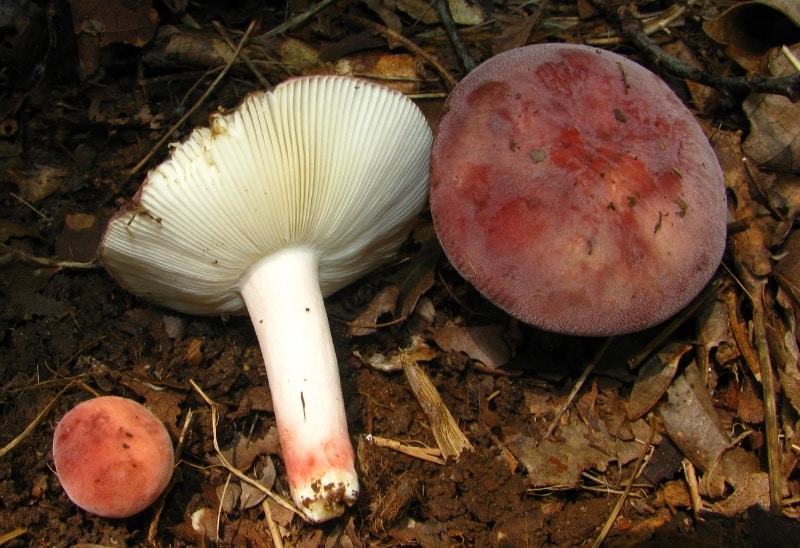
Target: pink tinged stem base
(288, 313)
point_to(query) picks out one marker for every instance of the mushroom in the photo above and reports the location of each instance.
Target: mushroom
(572, 188)
(113, 457)
(290, 197)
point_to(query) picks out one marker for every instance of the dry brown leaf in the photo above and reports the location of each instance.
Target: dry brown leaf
(384, 302)
(691, 421)
(115, 21)
(787, 269)
(784, 347)
(715, 333)
(243, 450)
(485, 344)
(748, 246)
(750, 29)
(749, 408)
(561, 461)
(774, 138)
(738, 469)
(36, 182)
(654, 377)
(463, 12)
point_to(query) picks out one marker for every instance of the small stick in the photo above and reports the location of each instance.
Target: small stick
(13, 443)
(277, 540)
(153, 529)
(242, 55)
(770, 404)
(197, 105)
(428, 454)
(443, 8)
(618, 507)
(408, 44)
(690, 474)
(578, 384)
(232, 469)
(631, 28)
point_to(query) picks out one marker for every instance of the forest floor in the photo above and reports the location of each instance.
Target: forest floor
(79, 113)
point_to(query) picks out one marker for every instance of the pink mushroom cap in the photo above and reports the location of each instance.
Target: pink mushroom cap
(575, 190)
(113, 457)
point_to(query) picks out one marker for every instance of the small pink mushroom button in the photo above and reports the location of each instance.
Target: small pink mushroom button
(574, 189)
(113, 457)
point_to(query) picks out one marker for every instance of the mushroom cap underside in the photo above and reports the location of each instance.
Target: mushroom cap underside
(333, 163)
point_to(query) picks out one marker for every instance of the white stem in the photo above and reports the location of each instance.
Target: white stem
(285, 304)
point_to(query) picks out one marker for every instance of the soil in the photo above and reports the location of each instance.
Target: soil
(68, 332)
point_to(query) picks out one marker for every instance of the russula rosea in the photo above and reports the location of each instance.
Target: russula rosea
(572, 187)
(113, 457)
(293, 195)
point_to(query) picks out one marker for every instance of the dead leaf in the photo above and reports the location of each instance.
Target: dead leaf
(243, 450)
(560, 462)
(384, 302)
(774, 138)
(252, 495)
(79, 239)
(783, 345)
(36, 182)
(115, 21)
(748, 245)
(750, 29)
(485, 344)
(692, 422)
(463, 12)
(418, 351)
(654, 377)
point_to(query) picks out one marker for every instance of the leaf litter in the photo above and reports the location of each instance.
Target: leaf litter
(701, 433)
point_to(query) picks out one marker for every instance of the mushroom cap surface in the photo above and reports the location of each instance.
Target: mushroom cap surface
(113, 457)
(335, 163)
(574, 189)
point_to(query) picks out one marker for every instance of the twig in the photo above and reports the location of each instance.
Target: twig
(153, 529)
(242, 55)
(443, 8)
(408, 44)
(232, 469)
(578, 384)
(631, 28)
(277, 540)
(770, 405)
(9, 254)
(296, 21)
(690, 474)
(13, 443)
(30, 206)
(201, 101)
(428, 454)
(618, 507)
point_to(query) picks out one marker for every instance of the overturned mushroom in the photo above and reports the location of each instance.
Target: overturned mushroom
(292, 196)
(572, 187)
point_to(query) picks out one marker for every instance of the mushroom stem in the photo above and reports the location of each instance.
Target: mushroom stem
(283, 298)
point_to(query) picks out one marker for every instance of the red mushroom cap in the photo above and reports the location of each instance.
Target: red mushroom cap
(572, 187)
(113, 457)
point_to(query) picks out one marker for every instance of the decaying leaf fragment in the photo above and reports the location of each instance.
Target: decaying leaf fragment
(485, 343)
(750, 29)
(654, 377)
(774, 138)
(692, 422)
